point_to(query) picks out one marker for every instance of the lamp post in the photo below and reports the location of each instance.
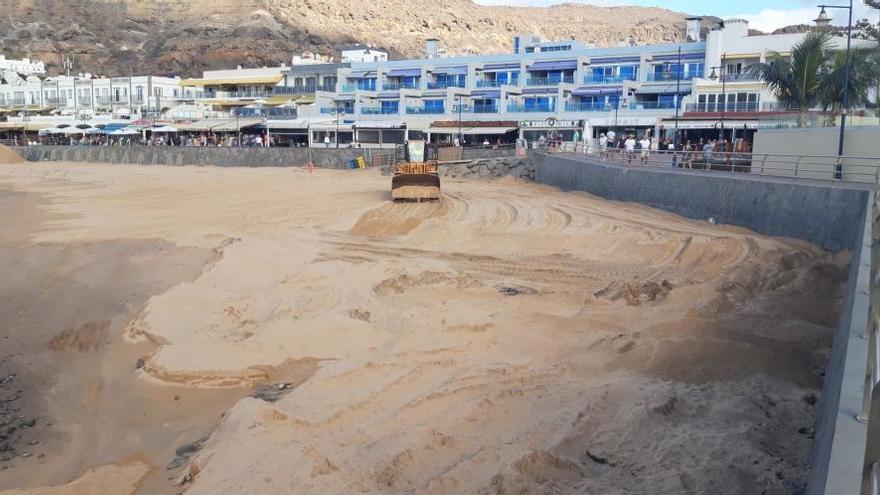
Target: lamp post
(722, 74)
(460, 137)
(338, 110)
(823, 21)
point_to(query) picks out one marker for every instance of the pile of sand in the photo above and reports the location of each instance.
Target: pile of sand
(9, 157)
(508, 339)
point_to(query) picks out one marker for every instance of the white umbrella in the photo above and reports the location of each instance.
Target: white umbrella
(125, 131)
(72, 130)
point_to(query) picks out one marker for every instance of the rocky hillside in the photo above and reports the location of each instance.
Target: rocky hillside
(186, 36)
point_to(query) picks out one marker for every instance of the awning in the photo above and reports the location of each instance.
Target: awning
(217, 125)
(361, 74)
(331, 126)
(500, 67)
(486, 94)
(470, 131)
(233, 81)
(665, 89)
(556, 65)
(615, 60)
(452, 71)
(596, 92)
(113, 126)
(685, 57)
(540, 91)
(287, 124)
(404, 73)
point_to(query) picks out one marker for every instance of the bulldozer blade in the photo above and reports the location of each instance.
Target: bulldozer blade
(415, 187)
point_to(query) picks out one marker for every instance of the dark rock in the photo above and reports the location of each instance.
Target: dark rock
(271, 393)
(184, 453)
(140, 364)
(515, 290)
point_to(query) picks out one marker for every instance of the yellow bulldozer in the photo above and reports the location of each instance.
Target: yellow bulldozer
(415, 180)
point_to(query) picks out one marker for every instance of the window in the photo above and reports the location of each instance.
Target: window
(310, 82)
(390, 107)
(629, 72)
(600, 74)
(530, 49)
(368, 84)
(434, 106)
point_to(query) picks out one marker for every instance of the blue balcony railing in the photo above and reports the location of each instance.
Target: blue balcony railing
(445, 84)
(334, 110)
(549, 81)
(303, 90)
(475, 108)
(673, 76)
(651, 105)
(592, 79)
(423, 111)
(588, 107)
(379, 111)
(520, 108)
(486, 83)
(395, 86)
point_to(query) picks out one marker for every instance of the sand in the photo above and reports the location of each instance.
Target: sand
(510, 338)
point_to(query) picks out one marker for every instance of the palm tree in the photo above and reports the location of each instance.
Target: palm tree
(864, 72)
(798, 82)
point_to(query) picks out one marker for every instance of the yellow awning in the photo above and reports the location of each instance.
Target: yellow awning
(731, 56)
(233, 81)
(225, 102)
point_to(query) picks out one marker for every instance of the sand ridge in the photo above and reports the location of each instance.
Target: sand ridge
(510, 338)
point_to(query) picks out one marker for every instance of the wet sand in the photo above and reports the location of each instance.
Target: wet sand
(509, 339)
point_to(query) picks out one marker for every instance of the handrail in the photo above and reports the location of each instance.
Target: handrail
(856, 169)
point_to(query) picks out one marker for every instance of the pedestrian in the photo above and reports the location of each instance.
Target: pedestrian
(327, 140)
(645, 144)
(603, 145)
(629, 146)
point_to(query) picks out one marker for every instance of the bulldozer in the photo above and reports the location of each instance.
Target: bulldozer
(415, 180)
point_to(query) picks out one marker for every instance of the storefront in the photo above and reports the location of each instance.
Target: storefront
(472, 133)
(551, 128)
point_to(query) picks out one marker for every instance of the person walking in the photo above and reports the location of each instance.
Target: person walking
(645, 144)
(630, 148)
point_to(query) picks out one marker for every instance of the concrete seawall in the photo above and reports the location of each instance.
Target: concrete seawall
(172, 155)
(834, 216)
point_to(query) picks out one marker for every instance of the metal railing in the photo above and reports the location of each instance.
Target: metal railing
(379, 111)
(486, 83)
(335, 110)
(813, 167)
(237, 94)
(424, 111)
(549, 81)
(476, 108)
(673, 76)
(399, 85)
(303, 90)
(651, 105)
(588, 107)
(445, 84)
(610, 80)
(751, 106)
(520, 108)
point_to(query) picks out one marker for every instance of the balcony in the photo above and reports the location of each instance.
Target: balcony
(734, 107)
(334, 110)
(588, 107)
(55, 101)
(610, 80)
(379, 111)
(424, 111)
(486, 83)
(445, 84)
(549, 81)
(520, 108)
(237, 94)
(84, 101)
(103, 100)
(393, 86)
(14, 102)
(475, 108)
(673, 76)
(651, 105)
(303, 90)
(741, 77)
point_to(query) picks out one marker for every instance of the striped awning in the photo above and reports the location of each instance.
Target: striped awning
(487, 94)
(361, 74)
(685, 57)
(615, 60)
(596, 91)
(404, 73)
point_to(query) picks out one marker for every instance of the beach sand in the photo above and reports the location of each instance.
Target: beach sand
(510, 338)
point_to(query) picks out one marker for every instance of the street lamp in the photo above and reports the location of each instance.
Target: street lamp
(823, 21)
(722, 73)
(460, 137)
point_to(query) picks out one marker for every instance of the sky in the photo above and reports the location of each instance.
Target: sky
(765, 15)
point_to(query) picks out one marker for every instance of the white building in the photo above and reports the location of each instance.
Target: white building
(24, 67)
(363, 54)
(83, 96)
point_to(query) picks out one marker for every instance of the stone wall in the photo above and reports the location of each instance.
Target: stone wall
(833, 215)
(173, 155)
(520, 167)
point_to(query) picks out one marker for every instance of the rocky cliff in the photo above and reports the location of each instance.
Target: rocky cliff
(184, 37)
